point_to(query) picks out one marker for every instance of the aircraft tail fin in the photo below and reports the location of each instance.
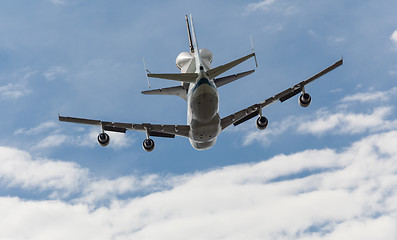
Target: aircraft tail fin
(196, 52)
(189, 35)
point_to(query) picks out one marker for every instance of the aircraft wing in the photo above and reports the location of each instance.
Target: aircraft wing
(214, 72)
(228, 79)
(179, 91)
(181, 77)
(252, 111)
(155, 130)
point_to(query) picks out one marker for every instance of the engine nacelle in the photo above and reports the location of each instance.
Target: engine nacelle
(305, 100)
(261, 123)
(103, 139)
(148, 145)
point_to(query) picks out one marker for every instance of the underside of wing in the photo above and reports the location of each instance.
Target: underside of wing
(228, 79)
(181, 77)
(155, 130)
(179, 91)
(256, 109)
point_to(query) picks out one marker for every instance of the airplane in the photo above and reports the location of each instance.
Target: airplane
(199, 88)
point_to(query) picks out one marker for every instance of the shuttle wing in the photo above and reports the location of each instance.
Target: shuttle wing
(155, 130)
(252, 111)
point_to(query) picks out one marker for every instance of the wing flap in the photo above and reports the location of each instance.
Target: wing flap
(240, 116)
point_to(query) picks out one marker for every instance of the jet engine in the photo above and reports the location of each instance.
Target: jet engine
(103, 139)
(305, 100)
(261, 123)
(148, 145)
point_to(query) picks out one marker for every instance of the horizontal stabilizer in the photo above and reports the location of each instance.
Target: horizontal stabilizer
(213, 73)
(179, 91)
(181, 77)
(228, 79)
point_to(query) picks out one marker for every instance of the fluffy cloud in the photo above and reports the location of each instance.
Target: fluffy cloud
(19, 169)
(60, 179)
(348, 123)
(314, 194)
(393, 37)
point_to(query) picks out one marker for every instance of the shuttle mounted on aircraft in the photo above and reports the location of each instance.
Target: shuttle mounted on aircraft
(199, 84)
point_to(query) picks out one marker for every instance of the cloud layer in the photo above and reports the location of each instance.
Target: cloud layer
(314, 194)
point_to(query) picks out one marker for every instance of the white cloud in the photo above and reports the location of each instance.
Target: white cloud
(36, 130)
(378, 96)
(393, 37)
(17, 88)
(52, 141)
(272, 6)
(54, 72)
(314, 194)
(105, 189)
(13, 91)
(60, 179)
(348, 123)
(19, 169)
(264, 5)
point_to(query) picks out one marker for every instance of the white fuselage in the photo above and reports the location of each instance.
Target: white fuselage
(202, 105)
(203, 116)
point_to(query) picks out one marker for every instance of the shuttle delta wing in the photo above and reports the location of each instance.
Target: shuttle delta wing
(254, 110)
(155, 130)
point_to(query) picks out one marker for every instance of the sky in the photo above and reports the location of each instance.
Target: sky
(328, 171)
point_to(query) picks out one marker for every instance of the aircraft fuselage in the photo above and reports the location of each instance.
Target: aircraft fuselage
(203, 113)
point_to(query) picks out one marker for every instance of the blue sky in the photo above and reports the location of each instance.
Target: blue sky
(323, 172)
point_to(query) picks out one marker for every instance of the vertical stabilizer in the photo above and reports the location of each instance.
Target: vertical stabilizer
(189, 35)
(195, 46)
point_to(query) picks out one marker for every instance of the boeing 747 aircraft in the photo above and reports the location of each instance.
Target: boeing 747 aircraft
(199, 87)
